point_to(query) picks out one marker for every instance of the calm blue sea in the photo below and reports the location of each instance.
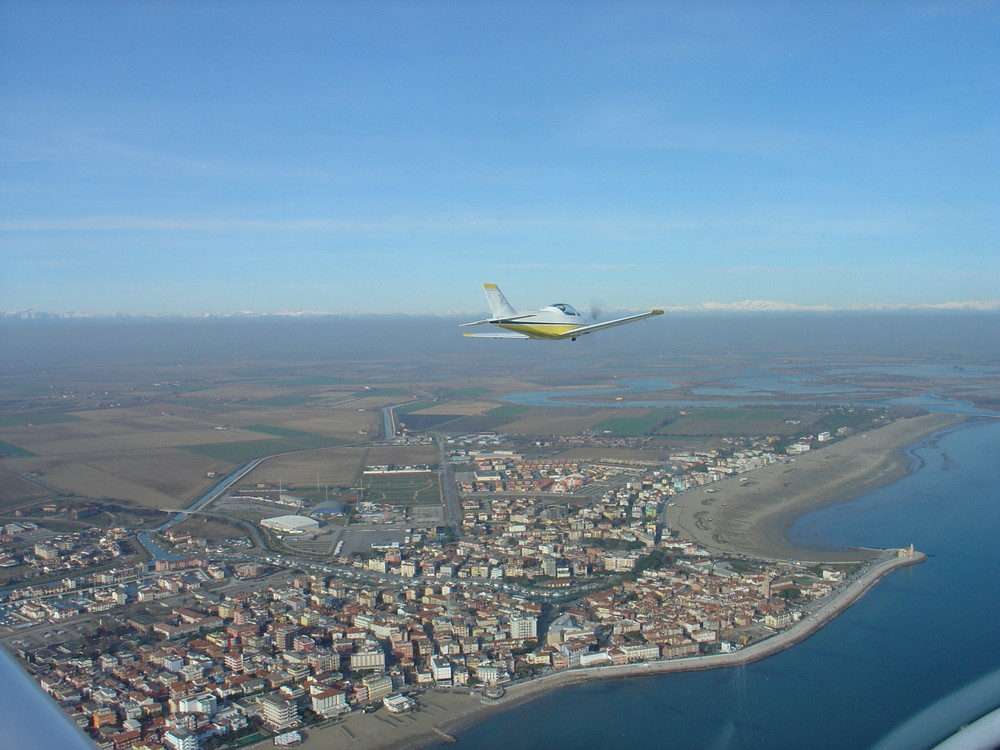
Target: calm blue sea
(922, 633)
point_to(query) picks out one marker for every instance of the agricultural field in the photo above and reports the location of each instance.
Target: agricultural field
(364, 401)
(414, 407)
(336, 467)
(507, 411)
(240, 452)
(15, 491)
(212, 528)
(635, 424)
(33, 419)
(287, 401)
(494, 419)
(9, 450)
(458, 408)
(470, 391)
(160, 454)
(151, 435)
(301, 381)
(451, 416)
(333, 467)
(394, 393)
(241, 392)
(730, 422)
(382, 455)
(424, 422)
(341, 421)
(91, 481)
(601, 453)
(564, 420)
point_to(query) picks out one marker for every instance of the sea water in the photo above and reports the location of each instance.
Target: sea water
(923, 632)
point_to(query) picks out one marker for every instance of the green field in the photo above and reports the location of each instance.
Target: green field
(176, 388)
(403, 489)
(14, 450)
(305, 382)
(508, 410)
(410, 408)
(383, 392)
(286, 401)
(44, 418)
(279, 431)
(198, 403)
(315, 380)
(635, 426)
(728, 422)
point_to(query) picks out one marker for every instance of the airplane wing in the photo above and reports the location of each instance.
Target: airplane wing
(610, 324)
(30, 718)
(496, 336)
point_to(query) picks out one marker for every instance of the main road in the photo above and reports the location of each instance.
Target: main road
(449, 492)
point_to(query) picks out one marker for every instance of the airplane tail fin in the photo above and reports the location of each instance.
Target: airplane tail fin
(499, 306)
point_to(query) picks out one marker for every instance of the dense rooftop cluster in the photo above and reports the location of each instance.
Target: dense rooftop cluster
(318, 646)
(555, 564)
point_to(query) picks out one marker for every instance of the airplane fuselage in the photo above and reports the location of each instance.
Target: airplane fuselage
(552, 322)
(555, 321)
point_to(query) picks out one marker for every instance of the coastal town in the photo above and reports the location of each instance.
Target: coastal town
(556, 564)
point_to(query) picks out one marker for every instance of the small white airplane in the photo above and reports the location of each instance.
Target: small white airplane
(555, 321)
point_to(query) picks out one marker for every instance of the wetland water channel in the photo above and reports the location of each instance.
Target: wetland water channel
(749, 388)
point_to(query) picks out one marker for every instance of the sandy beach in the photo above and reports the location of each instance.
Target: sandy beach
(384, 731)
(748, 517)
(750, 514)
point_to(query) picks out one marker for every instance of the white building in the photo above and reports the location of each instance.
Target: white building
(279, 713)
(398, 704)
(179, 738)
(374, 659)
(440, 669)
(288, 739)
(291, 524)
(203, 703)
(378, 686)
(330, 702)
(523, 626)
(488, 673)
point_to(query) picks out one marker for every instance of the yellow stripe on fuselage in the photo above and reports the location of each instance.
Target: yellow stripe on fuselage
(536, 331)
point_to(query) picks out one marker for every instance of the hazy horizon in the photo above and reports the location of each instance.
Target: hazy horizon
(925, 335)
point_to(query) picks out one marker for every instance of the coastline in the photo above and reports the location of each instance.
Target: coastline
(752, 527)
(796, 633)
(444, 713)
(750, 515)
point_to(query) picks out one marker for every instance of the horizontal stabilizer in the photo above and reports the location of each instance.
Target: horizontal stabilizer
(497, 321)
(497, 336)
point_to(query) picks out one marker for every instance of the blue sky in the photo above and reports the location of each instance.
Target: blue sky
(356, 157)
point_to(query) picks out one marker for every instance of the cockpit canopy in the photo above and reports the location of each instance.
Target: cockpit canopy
(564, 308)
